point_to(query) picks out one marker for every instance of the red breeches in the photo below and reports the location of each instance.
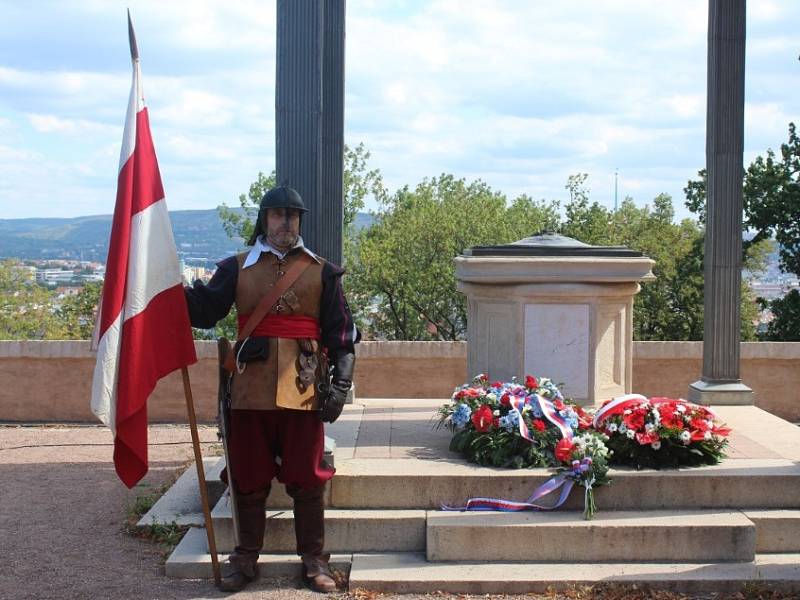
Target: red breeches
(259, 437)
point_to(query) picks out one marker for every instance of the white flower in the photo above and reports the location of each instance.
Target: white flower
(649, 427)
(686, 437)
(631, 434)
(496, 413)
(612, 427)
(623, 428)
(656, 445)
(680, 408)
(491, 396)
(707, 435)
(627, 411)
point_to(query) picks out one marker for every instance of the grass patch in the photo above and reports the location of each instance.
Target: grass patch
(165, 535)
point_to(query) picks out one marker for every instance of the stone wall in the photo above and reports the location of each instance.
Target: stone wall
(51, 381)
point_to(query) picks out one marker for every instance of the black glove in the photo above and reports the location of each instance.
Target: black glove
(335, 395)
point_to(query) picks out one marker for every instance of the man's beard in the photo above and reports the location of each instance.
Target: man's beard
(284, 239)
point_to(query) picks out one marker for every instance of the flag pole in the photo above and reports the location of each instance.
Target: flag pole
(201, 478)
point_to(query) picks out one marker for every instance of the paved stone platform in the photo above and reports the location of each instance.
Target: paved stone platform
(740, 518)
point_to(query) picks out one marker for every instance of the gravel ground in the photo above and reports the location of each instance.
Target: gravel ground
(63, 513)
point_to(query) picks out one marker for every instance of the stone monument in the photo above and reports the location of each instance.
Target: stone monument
(552, 306)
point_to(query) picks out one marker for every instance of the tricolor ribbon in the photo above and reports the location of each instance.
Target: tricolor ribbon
(561, 482)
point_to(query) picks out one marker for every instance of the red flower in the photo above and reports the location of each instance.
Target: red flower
(646, 438)
(634, 420)
(699, 424)
(539, 425)
(505, 399)
(530, 382)
(698, 436)
(497, 384)
(723, 431)
(564, 449)
(482, 418)
(559, 405)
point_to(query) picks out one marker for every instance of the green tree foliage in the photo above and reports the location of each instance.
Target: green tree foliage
(78, 313)
(786, 326)
(26, 309)
(401, 281)
(671, 307)
(404, 281)
(771, 205)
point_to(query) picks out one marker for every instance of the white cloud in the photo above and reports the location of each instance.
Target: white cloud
(79, 127)
(521, 94)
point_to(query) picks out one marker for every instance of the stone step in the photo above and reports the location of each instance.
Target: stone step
(191, 560)
(345, 530)
(411, 573)
(623, 536)
(181, 502)
(776, 530)
(419, 483)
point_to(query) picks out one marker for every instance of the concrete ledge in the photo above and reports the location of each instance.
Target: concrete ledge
(412, 574)
(678, 536)
(418, 483)
(191, 560)
(776, 530)
(770, 369)
(345, 530)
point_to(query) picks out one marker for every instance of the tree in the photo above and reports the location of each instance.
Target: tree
(405, 279)
(671, 307)
(77, 313)
(771, 205)
(26, 309)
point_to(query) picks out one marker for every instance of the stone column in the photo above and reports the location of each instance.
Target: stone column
(720, 382)
(309, 115)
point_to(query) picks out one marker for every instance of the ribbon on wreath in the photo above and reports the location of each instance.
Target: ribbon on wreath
(621, 403)
(548, 410)
(561, 482)
(553, 484)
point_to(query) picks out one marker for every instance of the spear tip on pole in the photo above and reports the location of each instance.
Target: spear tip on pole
(132, 39)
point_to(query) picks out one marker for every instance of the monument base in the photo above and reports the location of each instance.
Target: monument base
(704, 392)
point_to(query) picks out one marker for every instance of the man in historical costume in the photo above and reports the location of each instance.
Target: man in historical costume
(277, 403)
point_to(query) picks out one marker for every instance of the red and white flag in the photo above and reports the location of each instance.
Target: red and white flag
(143, 331)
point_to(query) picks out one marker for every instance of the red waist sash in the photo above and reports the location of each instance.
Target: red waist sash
(284, 326)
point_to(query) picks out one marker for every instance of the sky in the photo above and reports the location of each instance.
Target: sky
(517, 93)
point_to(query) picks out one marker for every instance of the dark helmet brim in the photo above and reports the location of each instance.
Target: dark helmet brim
(282, 197)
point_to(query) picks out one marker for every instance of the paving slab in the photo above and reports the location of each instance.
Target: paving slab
(408, 573)
(766, 430)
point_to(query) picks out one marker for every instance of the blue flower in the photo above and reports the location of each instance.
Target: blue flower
(536, 410)
(513, 418)
(461, 415)
(571, 417)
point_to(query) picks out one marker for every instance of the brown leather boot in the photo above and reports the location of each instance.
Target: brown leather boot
(252, 521)
(309, 529)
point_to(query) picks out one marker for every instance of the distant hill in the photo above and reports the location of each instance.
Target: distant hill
(199, 237)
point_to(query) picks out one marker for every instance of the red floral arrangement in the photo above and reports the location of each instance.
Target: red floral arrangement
(661, 432)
